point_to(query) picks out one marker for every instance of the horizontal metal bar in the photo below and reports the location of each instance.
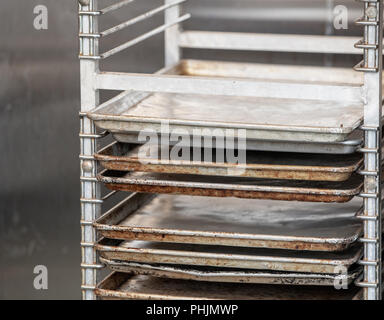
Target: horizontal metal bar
(367, 150)
(83, 200)
(85, 157)
(227, 86)
(143, 37)
(268, 42)
(362, 45)
(94, 136)
(368, 263)
(89, 179)
(86, 223)
(360, 67)
(368, 218)
(364, 22)
(369, 128)
(87, 244)
(364, 284)
(92, 266)
(366, 240)
(115, 6)
(89, 13)
(140, 18)
(89, 35)
(367, 173)
(369, 195)
(87, 287)
(89, 57)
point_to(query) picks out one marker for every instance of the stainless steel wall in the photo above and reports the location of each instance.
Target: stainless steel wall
(39, 104)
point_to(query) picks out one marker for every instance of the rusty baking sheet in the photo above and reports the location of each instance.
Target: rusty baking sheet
(267, 165)
(211, 274)
(239, 187)
(261, 118)
(122, 286)
(229, 257)
(233, 222)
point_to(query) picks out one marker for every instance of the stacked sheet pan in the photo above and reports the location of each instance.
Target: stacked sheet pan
(287, 216)
(140, 287)
(233, 222)
(311, 126)
(203, 239)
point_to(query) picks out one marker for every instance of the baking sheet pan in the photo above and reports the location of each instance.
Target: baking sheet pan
(233, 222)
(261, 118)
(229, 257)
(268, 165)
(239, 187)
(122, 286)
(353, 142)
(232, 275)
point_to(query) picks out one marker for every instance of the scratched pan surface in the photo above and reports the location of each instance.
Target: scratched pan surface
(232, 275)
(229, 257)
(239, 187)
(269, 165)
(122, 286)
(233, 222)
(349, 146)
(261, 118)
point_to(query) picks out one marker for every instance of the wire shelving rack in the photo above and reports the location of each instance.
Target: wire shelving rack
(93, 80)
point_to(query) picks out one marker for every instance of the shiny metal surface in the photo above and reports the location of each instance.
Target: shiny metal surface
(39, 94)
(39, 101)
(233, 222)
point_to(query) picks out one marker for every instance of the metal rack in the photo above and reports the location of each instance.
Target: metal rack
(92, 80)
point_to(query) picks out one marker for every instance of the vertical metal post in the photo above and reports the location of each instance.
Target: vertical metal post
(171, 37)
(90, 188)
(372, 65)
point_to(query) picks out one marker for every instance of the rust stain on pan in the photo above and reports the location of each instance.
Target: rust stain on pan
(252, 173)
(228, 257)
(126, 287)
(125, 157)
(228, 193)
(296, 245)
(215, 221)
(239, 187)
(144, 257)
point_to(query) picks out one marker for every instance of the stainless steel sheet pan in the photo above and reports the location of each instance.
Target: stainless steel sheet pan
(256, 164)
(229, 257)
(351, 145)
(261, 118)
(233, 222)
(293, 190)
(232, 275)
(122, 286)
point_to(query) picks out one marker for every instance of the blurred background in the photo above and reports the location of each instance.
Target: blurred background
(39, 95)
